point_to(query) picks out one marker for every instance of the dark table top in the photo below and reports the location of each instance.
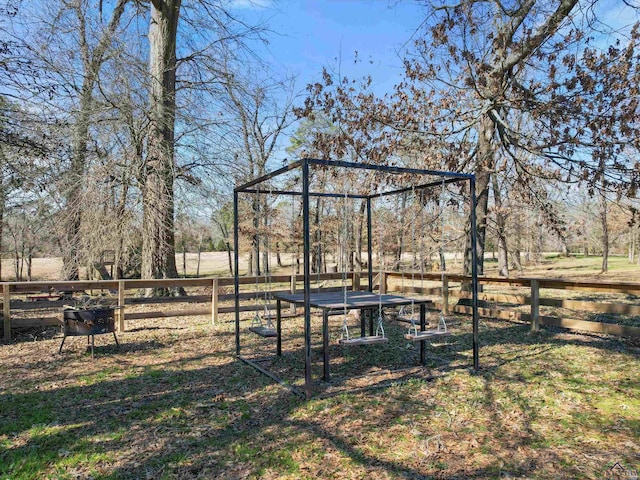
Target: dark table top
(335, 300)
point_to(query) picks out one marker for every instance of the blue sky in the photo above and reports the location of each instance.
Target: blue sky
(311, 34)
(316, 33)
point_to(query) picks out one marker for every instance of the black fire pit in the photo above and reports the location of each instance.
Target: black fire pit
(88, 322)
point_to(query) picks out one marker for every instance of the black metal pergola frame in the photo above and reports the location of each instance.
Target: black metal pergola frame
(304, 165)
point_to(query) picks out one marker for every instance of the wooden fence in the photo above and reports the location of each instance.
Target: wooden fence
(33, 296)
(394, 282)
(38, 296)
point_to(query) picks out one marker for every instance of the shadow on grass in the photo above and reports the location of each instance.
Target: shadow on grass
(177, 419)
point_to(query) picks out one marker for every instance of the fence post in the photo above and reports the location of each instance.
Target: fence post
(121, 305)
(6, 310)
(355, 281)
(535, 305)
(383, 283)
(445, 294)
(215, 291)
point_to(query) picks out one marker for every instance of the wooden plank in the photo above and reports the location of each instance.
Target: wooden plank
(45, 287)
(494, 313)
(608, 287)
(589, 326)
(162, 314)
(35, 322)
(610, 308)
(355, 281)
(179, 299)
(246, 308)
(260, 295)
(426, 335)
(264, 332)
(597, 307)
(498, 298)
(132, 284)
(28, 287)
(371, 340)
(227, 281)
(560, 284)
(569, 323)
(40, 305)
(6, 311)
(414, 289)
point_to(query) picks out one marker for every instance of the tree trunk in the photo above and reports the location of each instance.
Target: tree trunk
(229, 257)
(278, 256)
(400, 237)
(199, 255)
(92, 60)
(184, 257)
(74, 187)
(29, 264)
(318, 251)
(501, 226)
(483, 176)
(482, 184)
(359, 230)
(605, 233)
(254, 255)
(158, 241)
(266, 268)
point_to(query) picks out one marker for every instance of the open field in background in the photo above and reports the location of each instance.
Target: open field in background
(174, 403)
(576, 267)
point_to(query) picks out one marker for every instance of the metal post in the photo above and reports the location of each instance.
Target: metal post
(121, 302)
(474, 274)
(423, 327)
(292, 306)
(215, 292)
(279, 327)
(445, 294)
(307, 278)
(6, 310)
(325, 343)
(236, 271)
(369, 251)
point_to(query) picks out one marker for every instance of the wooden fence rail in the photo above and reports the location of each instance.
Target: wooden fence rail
(396, 280)
(387, 282)
(117, 290)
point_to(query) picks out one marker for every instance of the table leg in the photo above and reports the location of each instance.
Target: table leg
(423, 327)
(325, 343)
(363, 325)
(279, 327)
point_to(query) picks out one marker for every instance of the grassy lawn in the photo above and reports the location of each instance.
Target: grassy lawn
(174, 403)
(575, 267)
